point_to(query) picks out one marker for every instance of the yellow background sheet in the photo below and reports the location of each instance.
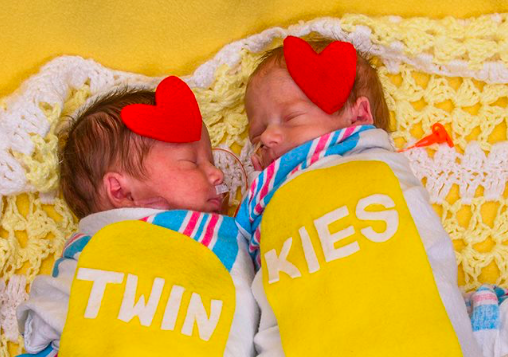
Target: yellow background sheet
(157, 37)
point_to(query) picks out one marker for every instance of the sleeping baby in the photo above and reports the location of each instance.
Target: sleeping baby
(155, 267)
(351, 259)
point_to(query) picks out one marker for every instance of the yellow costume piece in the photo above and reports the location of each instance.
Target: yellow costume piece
(146, 290)
(360, 280)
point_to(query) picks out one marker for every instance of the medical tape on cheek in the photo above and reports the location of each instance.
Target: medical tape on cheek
(222, 188)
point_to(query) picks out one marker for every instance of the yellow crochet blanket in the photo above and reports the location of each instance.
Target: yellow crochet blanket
(449, 71)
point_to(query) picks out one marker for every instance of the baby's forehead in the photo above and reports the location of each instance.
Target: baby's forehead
(268, 81)
(174, 149)
(269, 69)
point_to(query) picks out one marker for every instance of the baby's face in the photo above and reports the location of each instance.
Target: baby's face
(180, 176)
(282, 117)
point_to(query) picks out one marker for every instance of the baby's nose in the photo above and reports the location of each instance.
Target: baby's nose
(215, 175)
(272, 136)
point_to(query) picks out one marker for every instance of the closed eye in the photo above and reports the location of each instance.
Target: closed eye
(291, 116)
(188, 161)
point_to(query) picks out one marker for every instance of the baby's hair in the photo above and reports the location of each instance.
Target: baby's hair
(366, 83)
(96, 141)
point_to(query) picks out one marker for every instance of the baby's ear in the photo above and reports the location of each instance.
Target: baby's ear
(361, 112)
(118, 190)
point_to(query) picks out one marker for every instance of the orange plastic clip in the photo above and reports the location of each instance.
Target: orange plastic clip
(439, 135)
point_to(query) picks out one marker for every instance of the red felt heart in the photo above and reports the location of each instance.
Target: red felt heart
(326, 78)
(175, 118)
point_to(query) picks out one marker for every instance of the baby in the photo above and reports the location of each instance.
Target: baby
(110, 174)
(351, 258)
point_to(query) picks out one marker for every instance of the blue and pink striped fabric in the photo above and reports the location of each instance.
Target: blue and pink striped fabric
(483, 307)
(218, 233)
(283, 169)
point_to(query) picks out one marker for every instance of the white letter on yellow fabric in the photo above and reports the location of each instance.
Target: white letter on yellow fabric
(100, 279)
(196, 312)
(172, 308)
(145, 312)
(276, 264)
(391, 217)
(328, 240)
(308, 250)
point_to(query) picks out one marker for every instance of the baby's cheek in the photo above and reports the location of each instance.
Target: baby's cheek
(198, 186)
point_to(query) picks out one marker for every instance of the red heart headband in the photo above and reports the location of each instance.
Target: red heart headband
(326, 78)
(175, 117)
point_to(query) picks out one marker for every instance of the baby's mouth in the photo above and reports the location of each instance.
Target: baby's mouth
(220, 202)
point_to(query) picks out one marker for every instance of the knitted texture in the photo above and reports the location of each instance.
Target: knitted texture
(451, 71)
